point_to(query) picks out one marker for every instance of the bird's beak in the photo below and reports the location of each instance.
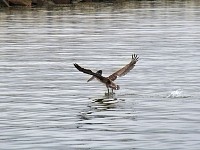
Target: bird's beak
(90, 79)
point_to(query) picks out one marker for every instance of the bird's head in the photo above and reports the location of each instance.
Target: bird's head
(99, 72)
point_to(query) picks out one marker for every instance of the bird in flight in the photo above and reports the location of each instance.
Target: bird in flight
(109, 81)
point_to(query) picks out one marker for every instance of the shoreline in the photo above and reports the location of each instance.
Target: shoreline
(65, 3)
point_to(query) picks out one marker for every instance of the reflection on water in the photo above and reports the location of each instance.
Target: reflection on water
(45, 103)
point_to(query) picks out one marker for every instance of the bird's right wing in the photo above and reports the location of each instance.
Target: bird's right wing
(124, 70)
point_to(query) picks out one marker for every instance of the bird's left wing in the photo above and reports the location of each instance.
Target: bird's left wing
(90, 72)
(123, 71)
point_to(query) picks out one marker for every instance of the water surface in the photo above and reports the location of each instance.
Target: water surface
(45, 103)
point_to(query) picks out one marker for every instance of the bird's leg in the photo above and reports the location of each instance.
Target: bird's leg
(108, 90)
(112, 90)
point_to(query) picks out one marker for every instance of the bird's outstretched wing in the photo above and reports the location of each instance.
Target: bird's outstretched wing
(123, 71)
(90, 72)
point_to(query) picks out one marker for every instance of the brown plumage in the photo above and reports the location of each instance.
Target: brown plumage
(108, 81)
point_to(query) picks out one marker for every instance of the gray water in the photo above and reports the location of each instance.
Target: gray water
(46, 103)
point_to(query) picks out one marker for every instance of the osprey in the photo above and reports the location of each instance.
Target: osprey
(109, 81)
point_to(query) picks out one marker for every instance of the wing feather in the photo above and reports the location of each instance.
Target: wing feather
(123, 71)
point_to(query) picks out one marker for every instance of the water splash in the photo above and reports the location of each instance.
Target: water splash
(177, 94)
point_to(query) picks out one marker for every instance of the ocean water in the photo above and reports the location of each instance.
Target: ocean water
(46, 103)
